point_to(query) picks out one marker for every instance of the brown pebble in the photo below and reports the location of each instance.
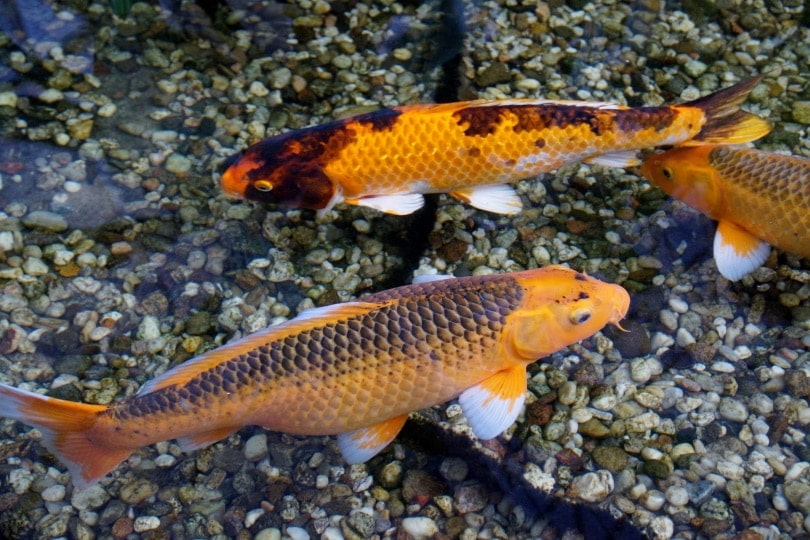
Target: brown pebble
(576, 226)
(122, 527)
(798, 383)
(570, 459)
(539, 414)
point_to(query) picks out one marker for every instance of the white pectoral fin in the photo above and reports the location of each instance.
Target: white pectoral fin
(737, 252)
(626, 158)
(492, 405)
(398, 205)
(499, 199)
(362, 444)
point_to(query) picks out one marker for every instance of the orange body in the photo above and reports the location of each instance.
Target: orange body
(354, 369)
(471, 150)
(758, 198)
(764, 193)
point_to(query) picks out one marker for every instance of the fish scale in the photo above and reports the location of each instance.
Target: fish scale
(355, 370)
(771, 190)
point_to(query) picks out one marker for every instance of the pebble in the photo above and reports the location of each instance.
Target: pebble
(420, 527)
(43, 219)
(256, 447)
(93, 496)
(8, 99)
(53, 493)
(297, 533)
(51, 95)
(592, 486)
(677, 496)
(146, 523)
(178, 164)
(801, 112)
(733, 409)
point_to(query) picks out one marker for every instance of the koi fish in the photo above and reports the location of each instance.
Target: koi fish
(471, 150)
(758, 198)
(355, 369)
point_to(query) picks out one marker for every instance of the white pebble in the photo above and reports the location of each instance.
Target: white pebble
(678, 305)
(419, 527)
(677, 496)
(252, 516)
(51, 95)
(652, 500)
(53, 493)
(165, 460)
(297, 533)
(256, 447)
(146, 523)
(662, 528)
(730, 470)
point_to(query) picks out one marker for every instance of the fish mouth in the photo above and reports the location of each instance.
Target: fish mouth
(621, 304)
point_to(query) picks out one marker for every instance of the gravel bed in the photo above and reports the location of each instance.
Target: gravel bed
(119, 258)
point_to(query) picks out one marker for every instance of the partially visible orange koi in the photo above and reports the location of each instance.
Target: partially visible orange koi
(354, 369)
(758, 198)
(389, 158)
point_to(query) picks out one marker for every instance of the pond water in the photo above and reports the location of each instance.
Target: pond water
(120, 257)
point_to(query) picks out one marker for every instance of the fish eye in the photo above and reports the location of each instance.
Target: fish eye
(667, 172)
(579, 316)
(263, 185)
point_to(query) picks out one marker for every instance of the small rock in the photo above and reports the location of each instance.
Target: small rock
(592, 486)
(611, 458)
(137, 491)
(178, 164)
(733, 409)
(470, 497)
(42, 219)
(256, 447)
(801, 112)
(419, 527)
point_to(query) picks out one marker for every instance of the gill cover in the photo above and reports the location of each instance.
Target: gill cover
(558, 312)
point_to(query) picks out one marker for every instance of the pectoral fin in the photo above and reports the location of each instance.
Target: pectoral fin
(493, 405)
(363, 444)
(499, 199)
(737, 252)
(398, 205)
(201, 440)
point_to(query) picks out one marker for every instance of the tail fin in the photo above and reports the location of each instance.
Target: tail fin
(725, 121)
(67, 432)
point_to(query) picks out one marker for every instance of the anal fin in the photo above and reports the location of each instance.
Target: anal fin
(499, 199)
(492, 405)
(363, 444)
(737, 252)
(206, 438)
(398, 205)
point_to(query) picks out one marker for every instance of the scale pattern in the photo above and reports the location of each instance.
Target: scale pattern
(338, 376)
(769, 194)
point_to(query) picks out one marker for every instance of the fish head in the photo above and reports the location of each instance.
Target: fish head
(686, 174)
(281, 170)
(561, 307)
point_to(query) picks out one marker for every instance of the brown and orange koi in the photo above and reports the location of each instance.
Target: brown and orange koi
(355, 370)
(471, 150)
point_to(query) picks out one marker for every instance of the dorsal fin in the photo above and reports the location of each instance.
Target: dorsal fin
(311, 318)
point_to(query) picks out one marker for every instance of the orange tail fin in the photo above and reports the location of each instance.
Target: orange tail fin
(67, 432)
(725, 121)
